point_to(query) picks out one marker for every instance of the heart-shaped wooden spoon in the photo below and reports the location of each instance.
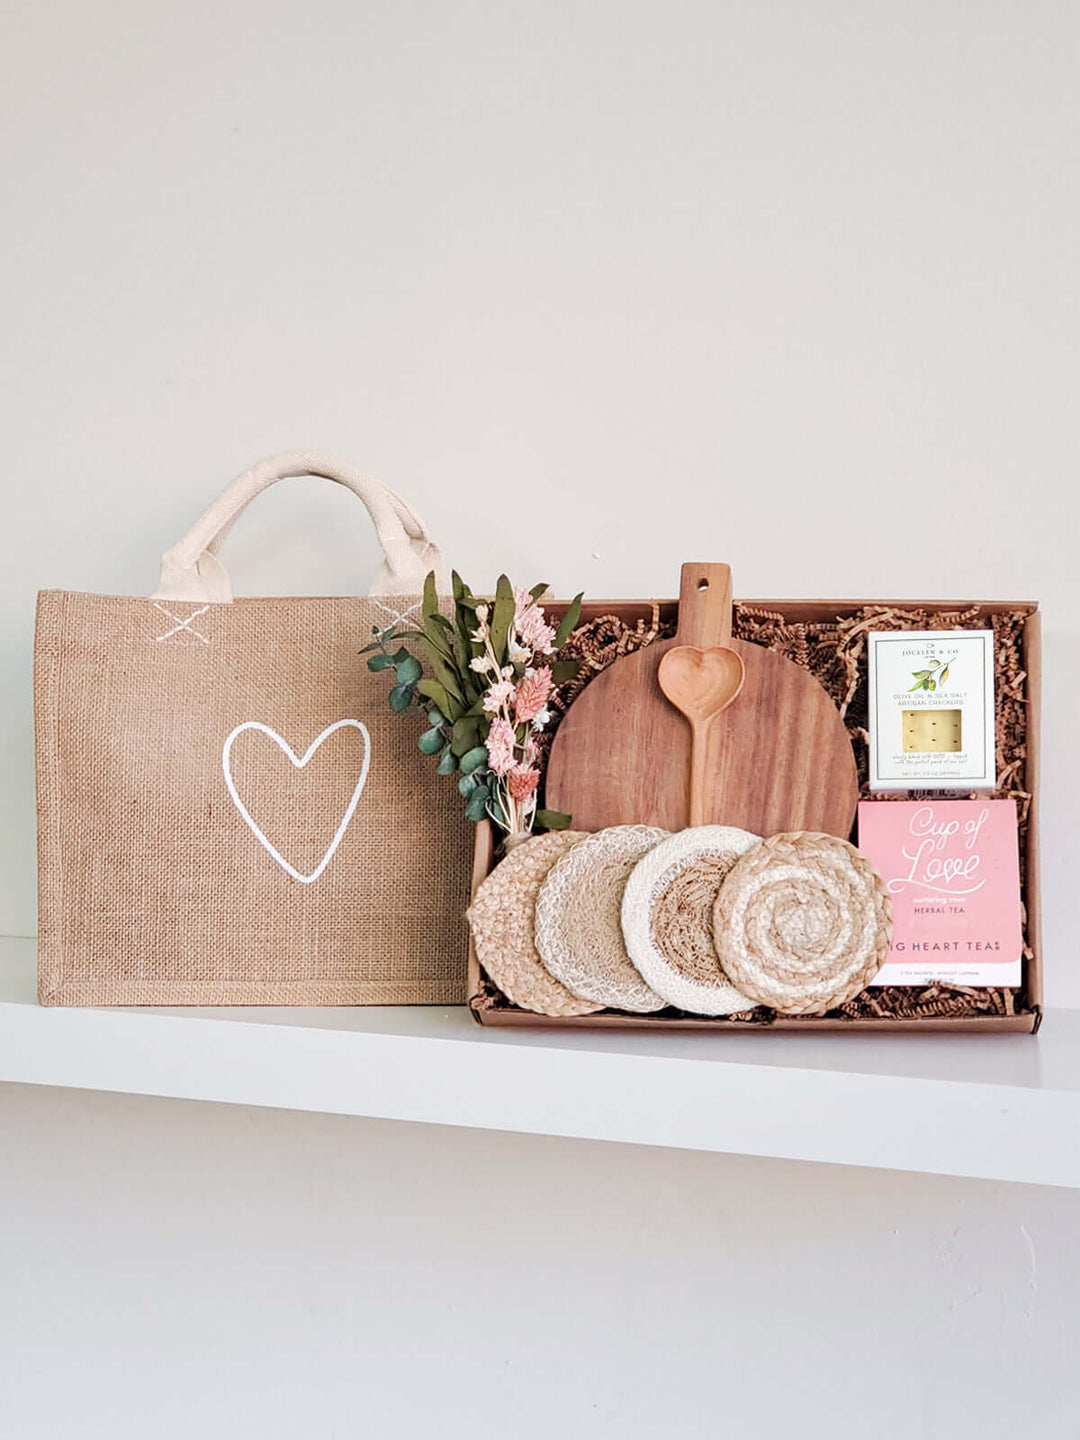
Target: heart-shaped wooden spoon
(700, 683)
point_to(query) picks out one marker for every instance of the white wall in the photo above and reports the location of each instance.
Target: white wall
(602, 287)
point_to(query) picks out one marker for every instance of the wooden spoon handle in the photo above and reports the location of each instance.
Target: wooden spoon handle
(704, 606)
(699, 732)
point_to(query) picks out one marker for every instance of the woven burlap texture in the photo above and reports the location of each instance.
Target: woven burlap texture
(579, 919)
(667, 918)
(154, 890)
(503, 920)
(802, 923)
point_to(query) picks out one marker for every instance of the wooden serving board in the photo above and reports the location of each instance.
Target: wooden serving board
(777, 758)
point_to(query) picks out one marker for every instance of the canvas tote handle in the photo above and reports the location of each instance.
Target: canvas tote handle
(191, 570)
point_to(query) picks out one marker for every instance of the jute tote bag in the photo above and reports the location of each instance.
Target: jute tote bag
(229, 811)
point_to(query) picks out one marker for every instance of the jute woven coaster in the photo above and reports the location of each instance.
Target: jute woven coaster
(802, 923)
(667, 918)
(503, 917)
(578, 919)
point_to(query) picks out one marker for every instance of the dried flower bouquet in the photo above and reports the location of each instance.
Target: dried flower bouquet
(492, 669)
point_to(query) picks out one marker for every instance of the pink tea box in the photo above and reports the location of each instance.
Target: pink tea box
(952, 869)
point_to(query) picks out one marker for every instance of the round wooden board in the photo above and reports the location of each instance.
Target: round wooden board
(778, 758)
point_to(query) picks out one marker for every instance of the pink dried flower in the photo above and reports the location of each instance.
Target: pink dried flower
(530, 626)
(500, 747)
(532, 694)
(522, 782)
(497, 696)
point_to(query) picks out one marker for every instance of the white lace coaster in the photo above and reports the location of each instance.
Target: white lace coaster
(802, 923)
(503, 917)
(667, 918)
(578, 925)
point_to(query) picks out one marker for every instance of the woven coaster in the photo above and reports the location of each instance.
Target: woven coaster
(502, 917)
(802, 923)
(578, 919)
(667, 918)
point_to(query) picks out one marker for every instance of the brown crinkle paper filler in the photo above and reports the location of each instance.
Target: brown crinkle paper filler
(834, 651)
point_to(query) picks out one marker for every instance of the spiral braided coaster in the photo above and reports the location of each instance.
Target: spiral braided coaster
(503, 917)
(667, 918)
(802, 923)
(578, 919)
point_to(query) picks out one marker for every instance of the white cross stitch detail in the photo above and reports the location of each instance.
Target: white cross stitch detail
(181, 624)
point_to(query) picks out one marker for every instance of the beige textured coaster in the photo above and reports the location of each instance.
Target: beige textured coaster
(802, 923)
(667, 918)
(503, 917)
(578, 919)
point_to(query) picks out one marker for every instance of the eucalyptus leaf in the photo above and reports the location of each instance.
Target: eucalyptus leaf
(379, 662)
(435, 718)
(467, 784)
(476, 805)
(447, 763)
(473, 759)
(430, 742)
(401, 697)
(409, 671)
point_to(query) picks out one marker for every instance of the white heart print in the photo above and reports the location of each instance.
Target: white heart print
(299, 762)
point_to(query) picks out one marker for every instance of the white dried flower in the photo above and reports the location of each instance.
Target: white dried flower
(481, 664)
(542, 718)
(481, 613)
(497, 696)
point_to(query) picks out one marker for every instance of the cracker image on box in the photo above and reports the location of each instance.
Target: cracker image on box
(503, 917)
(931, 710)
(667, 918)
(579, 919)
(802, 923)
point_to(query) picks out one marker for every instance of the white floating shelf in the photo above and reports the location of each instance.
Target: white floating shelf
(1000, 1107)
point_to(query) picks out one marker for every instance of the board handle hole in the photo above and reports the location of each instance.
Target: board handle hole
(703, 584)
